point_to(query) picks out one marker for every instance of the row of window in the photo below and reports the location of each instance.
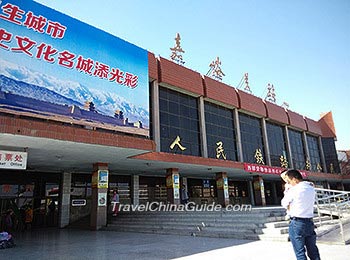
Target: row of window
(180, 133)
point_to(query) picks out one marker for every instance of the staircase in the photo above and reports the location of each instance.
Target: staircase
(332, 218)
(336, 205)
(225, 224)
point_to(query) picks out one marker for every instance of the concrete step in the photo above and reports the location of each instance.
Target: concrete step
(204, 212)
(187, 230)
(239, 225)
(196, 226)
(285, 223)
(228, 221)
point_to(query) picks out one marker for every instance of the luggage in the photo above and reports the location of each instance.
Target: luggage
(6, 240)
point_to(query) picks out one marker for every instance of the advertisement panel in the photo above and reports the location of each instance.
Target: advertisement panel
(102, 179)
(55, 67)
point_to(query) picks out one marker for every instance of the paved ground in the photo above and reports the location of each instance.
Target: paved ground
(84, 244)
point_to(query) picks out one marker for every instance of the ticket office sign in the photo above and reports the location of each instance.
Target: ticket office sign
(13, 160)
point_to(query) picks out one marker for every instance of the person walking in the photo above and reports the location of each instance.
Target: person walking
(184, 194)
(299, 200)
(115, 203)
(8, 221)
(28, 217)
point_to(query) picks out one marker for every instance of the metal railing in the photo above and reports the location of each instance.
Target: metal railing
(334, 203)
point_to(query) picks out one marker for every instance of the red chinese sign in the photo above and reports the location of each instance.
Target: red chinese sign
(13, 160)
(263, 169)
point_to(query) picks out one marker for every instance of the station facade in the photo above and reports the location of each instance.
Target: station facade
(226, 145)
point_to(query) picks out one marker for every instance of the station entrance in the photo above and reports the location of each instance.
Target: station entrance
(33, 198)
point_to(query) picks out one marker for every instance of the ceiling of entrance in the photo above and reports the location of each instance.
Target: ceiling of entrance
(50, 155)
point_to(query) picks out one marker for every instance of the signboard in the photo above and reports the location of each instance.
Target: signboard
(206, 184)
(263, 169)
(173, 182)
(53, 66)
(102, 199)
(176, 181)
(102, 179)
(13, 160)
(78, 202)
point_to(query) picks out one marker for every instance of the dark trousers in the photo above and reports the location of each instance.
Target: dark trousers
(303, 237)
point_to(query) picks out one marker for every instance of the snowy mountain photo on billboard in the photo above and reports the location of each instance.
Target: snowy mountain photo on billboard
(22, 81)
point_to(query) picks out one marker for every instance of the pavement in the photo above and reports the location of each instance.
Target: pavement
(85, 244)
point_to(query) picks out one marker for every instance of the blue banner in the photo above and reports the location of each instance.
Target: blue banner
(54, 66)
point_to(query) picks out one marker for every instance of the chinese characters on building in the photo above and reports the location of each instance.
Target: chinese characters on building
(259, 157)
(177, 143)
(220, 152)
(177, 50)
(215, 69)
(283, 161)
(270, 96)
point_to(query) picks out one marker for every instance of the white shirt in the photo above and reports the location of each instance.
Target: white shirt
(301, 199)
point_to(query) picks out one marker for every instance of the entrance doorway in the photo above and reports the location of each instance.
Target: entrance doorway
(30, 193)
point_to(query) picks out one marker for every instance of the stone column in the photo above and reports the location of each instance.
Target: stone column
(173, 185)
(251, 193)
(340, 186)
(289, 149)
(135, 187)
(202, 128)
(266, 142)
(155, 114)
(64, 207)
(326, 185)
(222, 188)
(259, 191)
(323, 161)
(306, 149)
(274, 193)
(184, 181)
(99, 185)
(238, 136)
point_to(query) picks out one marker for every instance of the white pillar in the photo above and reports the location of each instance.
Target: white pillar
(203, 132)
(238, 136)
(64, 207)
(155, 114)
(266, 142)
(135, 187)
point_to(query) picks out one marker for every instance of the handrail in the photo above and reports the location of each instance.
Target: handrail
(336, 202)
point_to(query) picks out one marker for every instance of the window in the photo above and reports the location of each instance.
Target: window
(330, 154)
(314, 152)
(277, 143)
(297, 147)
(251, 136)
(179, 121)
(220, 128)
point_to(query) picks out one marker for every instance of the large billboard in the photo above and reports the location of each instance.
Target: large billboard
(55, 67)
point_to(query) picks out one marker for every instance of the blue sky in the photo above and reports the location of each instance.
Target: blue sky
(302, 47)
